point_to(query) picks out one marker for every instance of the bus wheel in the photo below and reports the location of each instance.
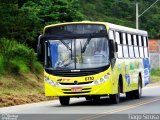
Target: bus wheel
(129, 95)
(115, 98)
(64, 100)
(138, 92)
(96, 98)
(88, 98)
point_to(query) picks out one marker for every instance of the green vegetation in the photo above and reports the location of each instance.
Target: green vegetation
(22, 21)
(155, 75)
(122, 12)
(17, 58)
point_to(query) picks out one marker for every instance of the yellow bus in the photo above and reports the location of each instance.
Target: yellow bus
(94, 59)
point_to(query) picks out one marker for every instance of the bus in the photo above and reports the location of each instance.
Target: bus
(94, 59)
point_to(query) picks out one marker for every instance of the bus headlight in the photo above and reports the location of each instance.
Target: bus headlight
(101, 80)
(51, 82)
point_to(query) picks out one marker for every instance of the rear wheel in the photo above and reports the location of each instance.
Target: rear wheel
(138, 92)
(129, 95)
(64, 100)
(115, 98)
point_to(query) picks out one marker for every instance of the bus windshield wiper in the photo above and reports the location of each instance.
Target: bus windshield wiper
(85, 45)
(66, 45)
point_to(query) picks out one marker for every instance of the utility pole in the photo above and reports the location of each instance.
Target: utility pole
(137, 20)
(137, 13)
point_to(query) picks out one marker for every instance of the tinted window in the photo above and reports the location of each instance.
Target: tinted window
(75, 29)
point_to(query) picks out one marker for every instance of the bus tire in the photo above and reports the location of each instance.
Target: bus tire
(96, 98)
(64, 100)
(88, 98)
(129, 95)
(138, 92)
(115, 98)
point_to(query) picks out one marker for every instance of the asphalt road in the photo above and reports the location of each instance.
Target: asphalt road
(80, 109)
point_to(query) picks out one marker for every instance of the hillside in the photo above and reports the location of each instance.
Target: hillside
(124, 13)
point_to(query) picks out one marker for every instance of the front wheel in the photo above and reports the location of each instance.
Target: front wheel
(115, 98)
(64, 100)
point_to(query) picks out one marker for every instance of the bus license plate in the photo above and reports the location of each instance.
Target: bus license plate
(76, 89)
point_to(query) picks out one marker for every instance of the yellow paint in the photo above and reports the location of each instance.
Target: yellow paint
(122, 67)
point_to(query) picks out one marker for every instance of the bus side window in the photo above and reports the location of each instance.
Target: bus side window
(120, 51)
(131, 51)
(117, 38)
(145, 47)
(111, 34)
(125, 46)
(140, 47)
(136, 50)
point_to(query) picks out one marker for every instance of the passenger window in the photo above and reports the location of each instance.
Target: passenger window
(120, 51)
(111, 34)
(135, 40)
(125, 51)
(117, 38)
(136, 51)
(144, 41)
(146, 52)
(141, 52)
(121, 38)
(124, 39)
(131, 52)
(139, 40)
(129, 39)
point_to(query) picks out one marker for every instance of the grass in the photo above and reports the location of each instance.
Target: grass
(155, 75)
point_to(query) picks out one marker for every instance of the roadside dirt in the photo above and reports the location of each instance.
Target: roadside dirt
(11, 100)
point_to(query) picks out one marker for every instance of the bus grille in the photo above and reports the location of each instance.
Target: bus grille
(80, 83)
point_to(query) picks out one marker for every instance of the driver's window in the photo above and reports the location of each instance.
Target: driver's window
(111, 34)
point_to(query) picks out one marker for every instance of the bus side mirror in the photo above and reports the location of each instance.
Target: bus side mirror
(39, 46)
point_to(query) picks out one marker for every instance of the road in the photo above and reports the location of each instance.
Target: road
(80, 109)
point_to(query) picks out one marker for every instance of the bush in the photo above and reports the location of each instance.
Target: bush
(155, 72)
(18, 66)
(1, 65)
(37, 67)
(18, 58)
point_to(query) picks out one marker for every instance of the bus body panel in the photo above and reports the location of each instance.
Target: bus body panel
(128, 68)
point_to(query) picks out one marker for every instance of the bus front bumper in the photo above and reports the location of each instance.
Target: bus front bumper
(82, 90)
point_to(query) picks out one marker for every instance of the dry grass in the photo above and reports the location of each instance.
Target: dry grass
(27, 88)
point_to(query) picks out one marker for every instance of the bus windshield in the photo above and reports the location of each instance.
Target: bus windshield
(78, 53)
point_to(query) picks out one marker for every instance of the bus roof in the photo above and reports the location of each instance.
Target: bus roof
(110, 25)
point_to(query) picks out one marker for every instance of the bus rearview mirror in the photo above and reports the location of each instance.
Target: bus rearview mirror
(39, 46)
